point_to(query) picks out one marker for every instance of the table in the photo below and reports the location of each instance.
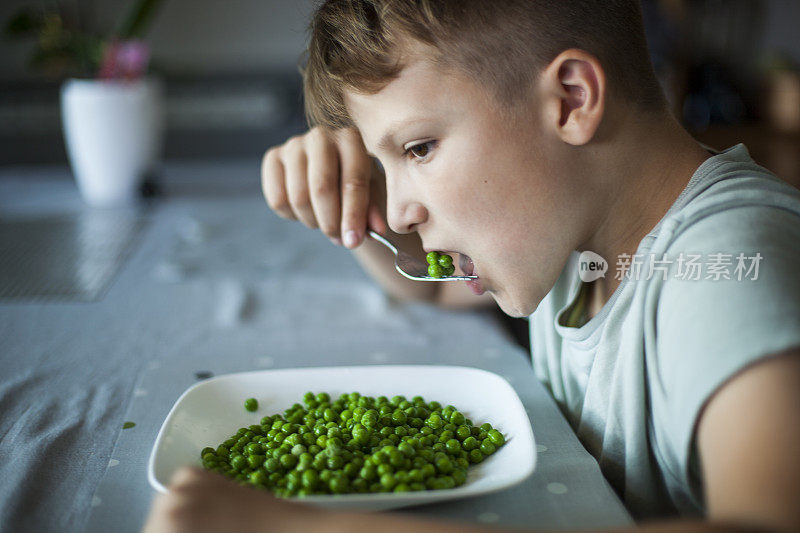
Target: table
(208, 282)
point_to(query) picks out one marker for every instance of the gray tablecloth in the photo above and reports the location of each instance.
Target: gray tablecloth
(214, 283)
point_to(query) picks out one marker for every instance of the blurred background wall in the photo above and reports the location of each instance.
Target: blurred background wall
(230, 69)
(197, 37)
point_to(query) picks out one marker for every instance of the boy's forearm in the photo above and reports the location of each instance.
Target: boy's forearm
(369, 523)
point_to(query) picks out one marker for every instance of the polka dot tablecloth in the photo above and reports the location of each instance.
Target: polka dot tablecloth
(216, 285)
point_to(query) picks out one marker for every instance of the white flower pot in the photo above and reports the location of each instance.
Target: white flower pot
(113, 132)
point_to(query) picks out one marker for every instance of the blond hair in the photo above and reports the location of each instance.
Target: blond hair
(356, 45)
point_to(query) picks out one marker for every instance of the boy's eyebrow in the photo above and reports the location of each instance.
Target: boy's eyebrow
(386, 139)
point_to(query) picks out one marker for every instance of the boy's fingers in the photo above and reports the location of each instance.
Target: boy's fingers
(355, 181)
(375, 220)
(376, 216)
(273, 184)
(323, 181)
(295, 165)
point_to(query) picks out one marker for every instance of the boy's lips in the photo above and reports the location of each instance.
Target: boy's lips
(468, 268)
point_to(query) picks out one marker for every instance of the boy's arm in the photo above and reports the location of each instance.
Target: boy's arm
(748, 438)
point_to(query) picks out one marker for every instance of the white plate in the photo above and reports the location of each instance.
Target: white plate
(211, 411)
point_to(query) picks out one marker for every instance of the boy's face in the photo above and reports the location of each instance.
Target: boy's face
(470, 180)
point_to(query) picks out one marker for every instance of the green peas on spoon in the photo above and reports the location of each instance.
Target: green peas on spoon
(439, 265)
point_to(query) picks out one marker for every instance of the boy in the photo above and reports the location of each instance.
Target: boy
(514, 134)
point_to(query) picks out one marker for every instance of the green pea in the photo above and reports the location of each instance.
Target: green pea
(338, 484)
(453, 446)
(288, 460)
(253, 448)
(475, 456)
(368, 472)
(396, 459)
(435, 271)
(323, 397)
(255, 461)
(335, 462)
(407, 449)
(258, 477)
(434, 421)
(350, 470)
(445, 261)
(487, 447)
(272, 465)
(496, 437)
(207, 450)
(444, 465)
(457, 418)
(446, 435)
(238, 462)
(310, 478)
(432, 258)
(298, 449)
(398, 417)
(251, 404)
(388, 481)
(470, 443)
(435, 483)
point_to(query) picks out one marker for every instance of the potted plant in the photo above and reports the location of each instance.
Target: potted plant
(111, 110)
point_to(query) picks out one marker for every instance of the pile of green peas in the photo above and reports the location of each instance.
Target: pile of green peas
(439, 265)
(355, 444)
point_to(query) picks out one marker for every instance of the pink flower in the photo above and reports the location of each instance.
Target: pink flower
(124, 60)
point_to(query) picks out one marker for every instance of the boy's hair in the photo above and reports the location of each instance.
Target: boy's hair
(357, 45)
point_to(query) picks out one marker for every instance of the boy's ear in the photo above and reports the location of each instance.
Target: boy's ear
(575, 93)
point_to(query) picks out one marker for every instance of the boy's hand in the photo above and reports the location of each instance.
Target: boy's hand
(324, 179)
(204, 501)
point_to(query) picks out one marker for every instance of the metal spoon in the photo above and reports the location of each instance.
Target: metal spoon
(410, 267)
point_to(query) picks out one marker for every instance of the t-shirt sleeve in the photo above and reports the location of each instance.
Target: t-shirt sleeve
(710, 329)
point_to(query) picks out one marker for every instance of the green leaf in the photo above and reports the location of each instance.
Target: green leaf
(135, 23)
(25, 22)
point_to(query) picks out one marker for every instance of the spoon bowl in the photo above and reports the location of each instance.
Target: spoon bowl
(411, 267)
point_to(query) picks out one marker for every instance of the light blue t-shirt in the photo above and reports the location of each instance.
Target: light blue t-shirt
(632, 380)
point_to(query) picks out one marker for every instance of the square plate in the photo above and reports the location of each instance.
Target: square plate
(211, 411)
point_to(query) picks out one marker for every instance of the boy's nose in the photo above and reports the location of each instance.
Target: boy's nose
(404, 218)
(402, 213)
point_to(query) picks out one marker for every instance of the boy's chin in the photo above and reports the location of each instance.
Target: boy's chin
(515, 307)
(512, 308)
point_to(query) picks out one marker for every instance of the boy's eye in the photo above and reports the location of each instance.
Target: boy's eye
(421, 150)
